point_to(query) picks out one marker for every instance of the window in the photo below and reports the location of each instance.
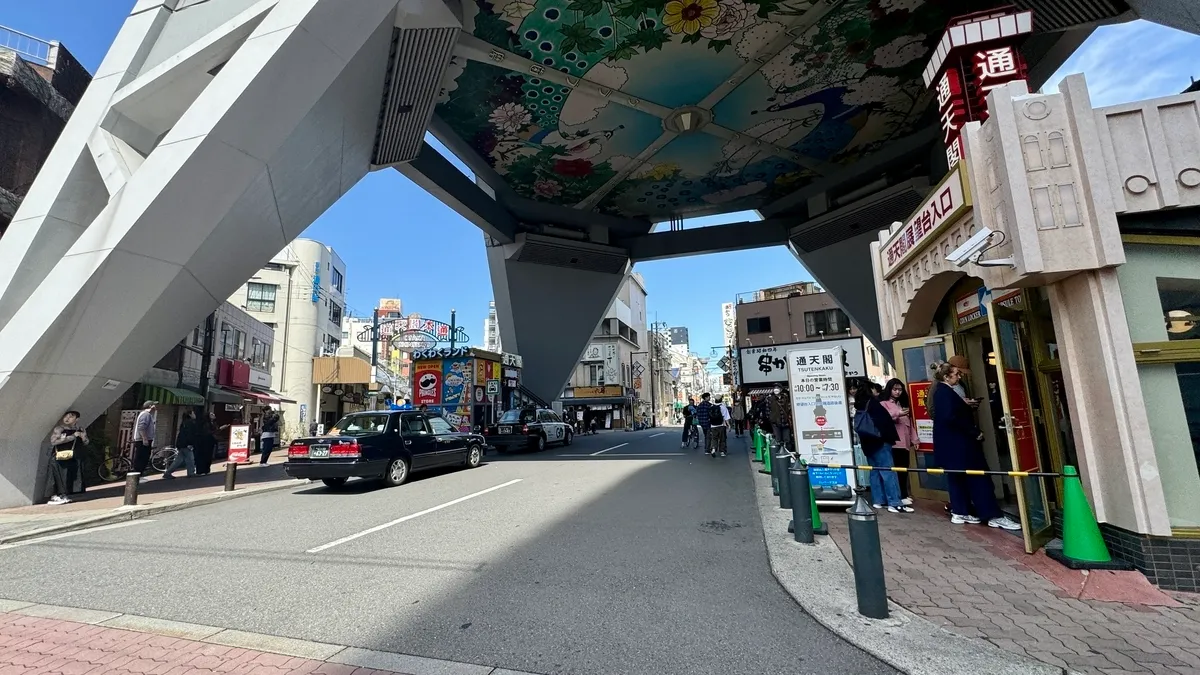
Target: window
(874, 356)
(414, 425)
(337, 280)
(274, 267)
(260, 297)
(330, 345)
(544, 416)
(595, 374)
(260, 353)
(825, 322)
(758, 325)
(360, 425)
(335, 313)
(228, 343)
(440, 425)
(197, 337)
(553, 416)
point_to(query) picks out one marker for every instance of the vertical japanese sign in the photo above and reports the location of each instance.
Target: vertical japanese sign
(918, 396)
(822, 420)
(977, 53)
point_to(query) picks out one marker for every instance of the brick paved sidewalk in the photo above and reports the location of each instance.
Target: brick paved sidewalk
(978, 582)
(33, 645)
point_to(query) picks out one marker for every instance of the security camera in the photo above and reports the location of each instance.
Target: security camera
(973, 247)
(972, 251)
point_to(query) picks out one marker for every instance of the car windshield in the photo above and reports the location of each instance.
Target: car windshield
(360, 425)
(517, 417)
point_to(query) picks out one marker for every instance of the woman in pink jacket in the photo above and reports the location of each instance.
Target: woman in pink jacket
(895, 400)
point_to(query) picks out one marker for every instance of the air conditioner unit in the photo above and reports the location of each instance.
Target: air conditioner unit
(871, 213)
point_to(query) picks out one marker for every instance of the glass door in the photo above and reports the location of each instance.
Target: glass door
(913, 358)
(1018, 426)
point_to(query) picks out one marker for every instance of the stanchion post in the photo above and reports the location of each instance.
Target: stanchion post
(230, 476)
(131, 488)
(784, 462)
(869, 583)
(802, 524)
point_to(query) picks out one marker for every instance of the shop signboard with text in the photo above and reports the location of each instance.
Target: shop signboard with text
(239, 443)
(817, 382)
(456, 381)
(765, 365)
(946, 203)
(427, 379)
(972, 307)
(918, 396)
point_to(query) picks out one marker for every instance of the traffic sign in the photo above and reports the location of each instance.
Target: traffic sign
(493, 387)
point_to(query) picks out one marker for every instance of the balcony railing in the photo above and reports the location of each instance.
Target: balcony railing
(28, 47)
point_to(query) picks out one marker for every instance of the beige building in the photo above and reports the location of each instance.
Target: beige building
(1062, 258)
(774, 320)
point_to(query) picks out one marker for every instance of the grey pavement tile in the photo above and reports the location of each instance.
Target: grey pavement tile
(179, 629)
(403, 663)
(67, 613)
(304, 649)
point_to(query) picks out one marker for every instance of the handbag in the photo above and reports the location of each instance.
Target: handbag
(864, 425)
(65, 455)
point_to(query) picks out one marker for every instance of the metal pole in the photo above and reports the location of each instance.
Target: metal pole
(802, 517)
(230, 476)
(131, 488)
(784, 461)
(375, 339)
(653, 367)
(453, 329)
(869, 583)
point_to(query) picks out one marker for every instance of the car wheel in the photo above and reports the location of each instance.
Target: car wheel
(569, 439)
(474, 456)
(397, 472)
(540, 443)
(333, 483)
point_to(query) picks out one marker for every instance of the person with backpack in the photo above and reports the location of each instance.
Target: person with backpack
(876, 433)
(718, 415)
(702, 419)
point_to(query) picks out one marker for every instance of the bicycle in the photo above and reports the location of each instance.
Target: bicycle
(115, 468)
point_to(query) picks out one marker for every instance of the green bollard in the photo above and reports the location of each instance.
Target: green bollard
(818, 527)
(758, 445)
(766, 461)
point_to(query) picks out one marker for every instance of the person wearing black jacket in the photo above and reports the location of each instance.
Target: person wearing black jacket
(206, 443)
(185, 442)
(270, 434)
(876, 434)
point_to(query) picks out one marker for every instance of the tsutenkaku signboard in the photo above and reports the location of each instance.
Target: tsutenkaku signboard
(765, 365)
(820, 410)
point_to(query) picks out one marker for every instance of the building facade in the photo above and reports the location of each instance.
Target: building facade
(393, 366)
(491, 330)
(40, 85)
(1062, 258)
(772, 321)
(612, 379)
(301, 294)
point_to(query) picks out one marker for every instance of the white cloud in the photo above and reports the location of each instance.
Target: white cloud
(1132, 62)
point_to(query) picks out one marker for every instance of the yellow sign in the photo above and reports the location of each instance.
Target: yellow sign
(597, 392)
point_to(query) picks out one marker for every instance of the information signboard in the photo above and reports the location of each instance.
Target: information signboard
(239, 443)
(817, 383)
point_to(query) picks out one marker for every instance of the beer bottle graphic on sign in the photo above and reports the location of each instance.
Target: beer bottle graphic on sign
(819, 412)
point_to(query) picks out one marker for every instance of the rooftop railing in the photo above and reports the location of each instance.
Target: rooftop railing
(28, 47)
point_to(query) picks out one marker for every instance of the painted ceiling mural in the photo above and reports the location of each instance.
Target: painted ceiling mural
(840, 90)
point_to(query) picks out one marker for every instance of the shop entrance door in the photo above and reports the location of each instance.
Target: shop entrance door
(1018, 426)
(913, 358)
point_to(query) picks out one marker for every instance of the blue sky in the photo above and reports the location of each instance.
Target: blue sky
(384, 223)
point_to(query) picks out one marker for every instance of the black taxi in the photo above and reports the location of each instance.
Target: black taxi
(382, 444)
(529, 429)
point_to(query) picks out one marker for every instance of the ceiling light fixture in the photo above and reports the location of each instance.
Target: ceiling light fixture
(687, 119)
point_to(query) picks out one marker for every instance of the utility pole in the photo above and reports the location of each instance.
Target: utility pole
(453, 329)
(375, 339)
(210, 329)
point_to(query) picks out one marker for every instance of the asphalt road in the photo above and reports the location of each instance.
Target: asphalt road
(591, 559)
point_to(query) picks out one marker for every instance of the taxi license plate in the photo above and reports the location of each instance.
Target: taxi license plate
(318, 451)
(506, 430)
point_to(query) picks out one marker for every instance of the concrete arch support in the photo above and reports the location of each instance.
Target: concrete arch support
(171, 185)
(548, 313)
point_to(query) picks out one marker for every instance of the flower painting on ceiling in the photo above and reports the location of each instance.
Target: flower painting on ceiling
(831, 83)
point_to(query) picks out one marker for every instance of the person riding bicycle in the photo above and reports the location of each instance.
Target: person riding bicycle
(689, 416)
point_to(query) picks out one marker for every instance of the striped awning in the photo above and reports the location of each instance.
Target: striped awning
(761, 391)
(171, 395)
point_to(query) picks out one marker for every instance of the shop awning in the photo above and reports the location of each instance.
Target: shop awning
(599, 400)
(257, 397)
(761, 391)
(171, 395)
(221, 395)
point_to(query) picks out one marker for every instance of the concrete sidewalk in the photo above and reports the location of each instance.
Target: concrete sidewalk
(51, 640)
(978, 582)
(104, 504)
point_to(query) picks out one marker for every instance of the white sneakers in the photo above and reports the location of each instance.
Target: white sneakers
(907, 501)
(59, 499)
(1004, 523)
(963, 520)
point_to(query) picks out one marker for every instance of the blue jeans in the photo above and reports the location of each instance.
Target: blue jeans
(885, 488)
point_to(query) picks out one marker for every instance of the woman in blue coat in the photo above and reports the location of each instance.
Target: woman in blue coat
(957, 444)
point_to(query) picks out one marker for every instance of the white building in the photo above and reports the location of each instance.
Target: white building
(300, 294)
(491, 330)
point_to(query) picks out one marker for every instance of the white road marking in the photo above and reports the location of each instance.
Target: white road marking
(52, 537)
(607, 449)
(628, 454)
(407, 518)
(658, 434)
